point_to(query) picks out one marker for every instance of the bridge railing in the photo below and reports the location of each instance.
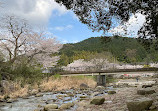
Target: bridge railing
(93, 68)
(97, 68)
(100, 67)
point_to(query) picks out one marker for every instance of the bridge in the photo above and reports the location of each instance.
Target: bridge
(101, 73)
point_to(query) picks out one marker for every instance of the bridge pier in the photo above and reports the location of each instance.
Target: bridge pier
(101, 80)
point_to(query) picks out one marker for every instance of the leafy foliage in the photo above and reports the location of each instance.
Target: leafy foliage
(99, 15)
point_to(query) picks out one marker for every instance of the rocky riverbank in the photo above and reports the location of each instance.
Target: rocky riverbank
(127, 98)
(55, 100)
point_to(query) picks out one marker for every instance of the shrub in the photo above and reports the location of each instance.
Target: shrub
(146, 66)
(57, 76)
(27, 73)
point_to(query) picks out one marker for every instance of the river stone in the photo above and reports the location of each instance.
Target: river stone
(83, 96)
(38, 95)
(146, 86)
(26, 97)
(11, 100)
(100, 88)
(97, 101)
(111, 92)
(62, 96)
(83, 103)
(95, 94)
(33, 92)
(153, 107)
(50, 106)
(156, 98)
(83, 86)
(54, 110)
(2, 100)
(139, 104)
(6, 97)
(66, 105)
(37, 110)
(81, 99)
(145, 91)
(70, 94)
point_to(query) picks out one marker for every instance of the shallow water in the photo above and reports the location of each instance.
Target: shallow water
(33, 102)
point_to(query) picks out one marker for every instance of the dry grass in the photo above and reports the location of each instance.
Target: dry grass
(21, 92)
(1, 97)
(18, 90)
(50, 85)
(66, 83)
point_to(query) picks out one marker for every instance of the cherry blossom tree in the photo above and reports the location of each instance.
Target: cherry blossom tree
(40, 48)
(13, 31)
(78, 65)
(19, 40)
(95, 64)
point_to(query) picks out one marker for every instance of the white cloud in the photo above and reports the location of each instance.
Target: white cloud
(35, 11)
(64, 41)
(75, 41)
(132, 26)
(61, 28)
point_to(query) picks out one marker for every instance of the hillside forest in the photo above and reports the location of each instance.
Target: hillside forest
(115, 49)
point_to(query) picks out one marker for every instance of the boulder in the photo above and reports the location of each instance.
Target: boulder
(111, 92)
(83, 86)
(146, 86)
(66, 105)
(49, 107)
(97, 101)
(139, 104)
(145, 91)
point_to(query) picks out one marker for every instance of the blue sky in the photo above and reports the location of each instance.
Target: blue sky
(62, 23)
(69, 29)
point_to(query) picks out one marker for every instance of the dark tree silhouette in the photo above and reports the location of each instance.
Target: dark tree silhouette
(98, 15)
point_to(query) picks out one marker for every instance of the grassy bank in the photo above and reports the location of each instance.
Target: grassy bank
(54, 83)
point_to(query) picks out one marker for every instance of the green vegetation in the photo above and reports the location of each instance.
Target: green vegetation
(121, 49)
(57, 76)
(115, 49)
(110, 79)
(20, 71)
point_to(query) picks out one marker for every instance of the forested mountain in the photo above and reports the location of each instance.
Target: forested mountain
(122, 49)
